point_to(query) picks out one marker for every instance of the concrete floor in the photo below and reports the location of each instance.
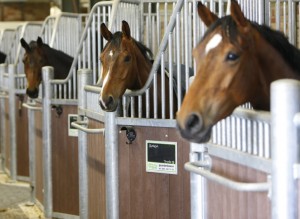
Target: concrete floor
(15, 200)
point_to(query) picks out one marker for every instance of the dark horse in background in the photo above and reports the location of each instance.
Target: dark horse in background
(126, 65)
(2, 57)
(37, 55)
(236, 62)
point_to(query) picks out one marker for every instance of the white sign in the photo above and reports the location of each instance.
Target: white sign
(161, 157)
(71, 130)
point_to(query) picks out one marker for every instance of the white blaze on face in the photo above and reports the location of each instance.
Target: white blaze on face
(103, 86)
(105, 79)
(213, 43)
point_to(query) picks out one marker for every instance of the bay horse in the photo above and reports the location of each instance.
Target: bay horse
(37, 55)
(126, 64)
(236, 61)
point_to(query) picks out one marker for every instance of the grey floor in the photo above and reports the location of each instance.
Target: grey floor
(15, 200)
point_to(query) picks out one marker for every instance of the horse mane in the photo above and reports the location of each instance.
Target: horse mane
(277, 39)
(61, 61)
(116, 40)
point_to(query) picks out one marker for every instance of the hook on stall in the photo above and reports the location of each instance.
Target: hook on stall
(130, 133)
(58, 109)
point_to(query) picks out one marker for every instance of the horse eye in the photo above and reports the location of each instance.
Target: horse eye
(127, 58)
(231, 56)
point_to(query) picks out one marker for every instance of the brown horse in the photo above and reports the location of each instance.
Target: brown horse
(236, 62)
(126, 65)
(37, 55)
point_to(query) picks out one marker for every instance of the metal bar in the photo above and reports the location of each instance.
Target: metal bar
(277, 14)
(238, 186)
(198, 185)
(12, 122)
(85, 77)
(3, 95)
(111, 166)
(79, 126)
(291, 22)
(32, 107)
(48, 74)
(297, 119)
(163, 46)
(238, 156)
(32, 146)
(285, 97)
(2, 121)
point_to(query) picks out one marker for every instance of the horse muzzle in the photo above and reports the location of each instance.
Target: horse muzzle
(108, 104)
(194, 129)
(32, 93)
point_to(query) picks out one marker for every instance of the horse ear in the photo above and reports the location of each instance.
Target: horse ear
(39, 41)
(125, 29)
(238, 16)
(25, 45)
(206, 15)
(105, 32)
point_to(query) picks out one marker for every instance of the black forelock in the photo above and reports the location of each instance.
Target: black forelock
(276, 39)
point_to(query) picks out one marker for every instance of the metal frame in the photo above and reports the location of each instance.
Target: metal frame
(285, 103)
(169, 47)
(238, 146)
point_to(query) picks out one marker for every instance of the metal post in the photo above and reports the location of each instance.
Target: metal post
(198, 185)
(32, 158)
(12, 122)
(285, 97)
(2, 120)
(84, 77)
(48, 74)
(111, 166)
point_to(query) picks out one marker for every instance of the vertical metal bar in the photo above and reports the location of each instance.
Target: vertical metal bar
(2, 120)
(85, 77)
(198, 185)
(12, 122)
(285, 97)
(187, 40)
(178, 69)
(291, 18)
(263, 14)
(111, 166)
(171, 49)
(277, 14)
(48, 74)
(221, 12)
(239, 133)
(32, 158)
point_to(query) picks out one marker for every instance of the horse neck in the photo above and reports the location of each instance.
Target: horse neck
(271, 67)
(143, 71)
(61, 62)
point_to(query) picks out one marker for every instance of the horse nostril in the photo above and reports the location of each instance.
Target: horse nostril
(32, 93)
(110, 100)
(194, 123)
(106, 103)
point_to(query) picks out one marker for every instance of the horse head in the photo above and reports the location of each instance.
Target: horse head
(34, 59)
(225, 73)
(124, 66)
